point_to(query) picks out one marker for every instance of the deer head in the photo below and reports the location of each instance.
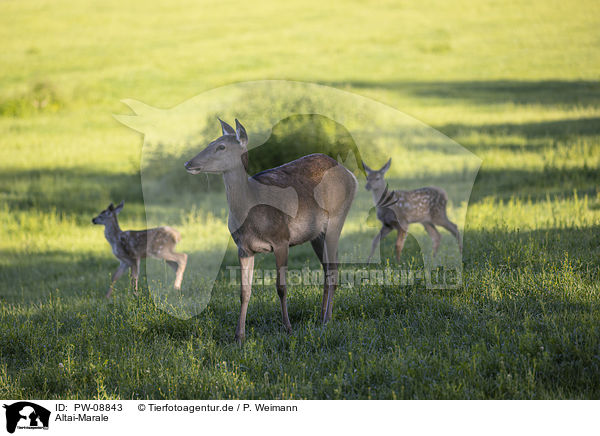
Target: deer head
(375, 178)
(223, 154)
(108, 214)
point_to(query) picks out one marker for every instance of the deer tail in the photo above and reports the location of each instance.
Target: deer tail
(443, 196)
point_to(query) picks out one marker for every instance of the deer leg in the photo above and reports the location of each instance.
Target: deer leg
(116, 275)
(330, 256)
(318, 245)
(180, 270)
(178, 262)
(247, 269)
(326, 293)
(434, 235)
(135, 274)
(400, 242)
(385, 230)
(281, 258)
(451, 227)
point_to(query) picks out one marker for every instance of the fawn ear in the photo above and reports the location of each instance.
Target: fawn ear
(367, 169)
(111, 207)
(386, 166)
(119, 208)
(226, 128)
(240, 133)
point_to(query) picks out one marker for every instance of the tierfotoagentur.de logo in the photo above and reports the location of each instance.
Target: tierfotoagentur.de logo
(26, 415)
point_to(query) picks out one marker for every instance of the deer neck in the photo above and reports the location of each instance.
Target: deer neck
(377, 193)
(240, 195)
(112, 230)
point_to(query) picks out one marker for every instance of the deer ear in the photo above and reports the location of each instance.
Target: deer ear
(119, 208)
(111, 207)
(227, 129)
(367, 169)
(240, 133)
(386, 166)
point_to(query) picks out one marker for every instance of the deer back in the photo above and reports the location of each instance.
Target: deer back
(310, 177)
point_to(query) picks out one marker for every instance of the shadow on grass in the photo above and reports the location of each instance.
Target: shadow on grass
(552, 130)
(490, 92)
(538, 186)
(77, 191)
(31, 277)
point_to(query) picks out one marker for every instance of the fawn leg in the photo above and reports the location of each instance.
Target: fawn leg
(135, 274)
(247, 269)
(281, 258)
(178, 262)
(180, 270)
(116, 275)
(400, 242)
(451, 227)
(434, 235)
(385, 230)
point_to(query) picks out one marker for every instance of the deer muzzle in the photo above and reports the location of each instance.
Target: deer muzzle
(191, 168)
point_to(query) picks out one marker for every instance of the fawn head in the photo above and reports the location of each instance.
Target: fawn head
(375, 178)
(223, 154)
(108, 213)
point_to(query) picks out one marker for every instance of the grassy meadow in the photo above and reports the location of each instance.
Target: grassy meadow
(516, 83)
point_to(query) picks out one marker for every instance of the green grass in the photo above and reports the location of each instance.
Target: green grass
(516, 83)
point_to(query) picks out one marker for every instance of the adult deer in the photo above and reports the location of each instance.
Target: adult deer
(397, 209)
(133, 245)
(304, 200)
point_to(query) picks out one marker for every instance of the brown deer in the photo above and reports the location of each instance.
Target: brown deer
(303, 200)
(397, 209)
(133, 245)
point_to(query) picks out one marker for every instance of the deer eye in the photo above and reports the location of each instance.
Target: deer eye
(221, 147)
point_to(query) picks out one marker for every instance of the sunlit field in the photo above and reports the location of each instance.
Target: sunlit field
(515, 83)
